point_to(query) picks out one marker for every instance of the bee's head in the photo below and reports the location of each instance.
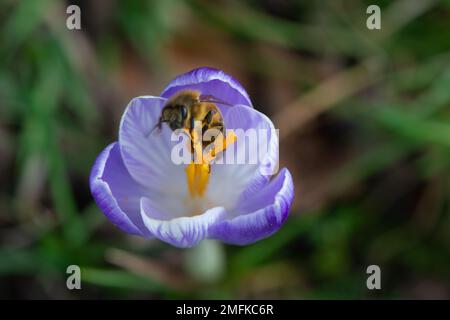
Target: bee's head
(176, 111)
(175, 115)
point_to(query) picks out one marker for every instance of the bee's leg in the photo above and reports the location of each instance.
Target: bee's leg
(220, 143)
(217, 126)
(205, 128)
(196, 145)
(208, 117)
(191, 124)
(192, 144)
(213, 126)
(207, 121)
(217, 139)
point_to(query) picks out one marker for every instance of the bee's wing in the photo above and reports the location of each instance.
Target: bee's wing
(212, 99)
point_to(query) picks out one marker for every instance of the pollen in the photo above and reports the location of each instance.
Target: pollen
(199, 170)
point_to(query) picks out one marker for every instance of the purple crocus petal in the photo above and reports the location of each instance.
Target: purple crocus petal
(244, 118)
(261, 216)
(249, 177)
(116, 193)
(181, 232)
(212, 82)
(147, 152)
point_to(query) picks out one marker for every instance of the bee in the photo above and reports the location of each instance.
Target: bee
(186, 107)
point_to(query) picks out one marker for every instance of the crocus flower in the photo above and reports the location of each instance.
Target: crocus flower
(143, 192)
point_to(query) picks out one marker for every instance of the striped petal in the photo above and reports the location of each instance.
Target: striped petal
(212, 82)
(260, 216)
(146, 153)
(181, 232)
(233, 180)
(116, 193)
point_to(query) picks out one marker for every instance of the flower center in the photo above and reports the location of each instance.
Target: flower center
(199, 170)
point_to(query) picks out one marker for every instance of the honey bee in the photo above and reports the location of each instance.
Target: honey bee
(188, 106)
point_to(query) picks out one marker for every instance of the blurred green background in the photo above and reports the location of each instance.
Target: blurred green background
(364, 128)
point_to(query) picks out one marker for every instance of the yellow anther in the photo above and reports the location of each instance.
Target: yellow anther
(197, 172)
(219, 145)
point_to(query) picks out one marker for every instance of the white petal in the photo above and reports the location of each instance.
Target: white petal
(181, 232)
(146, 153)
